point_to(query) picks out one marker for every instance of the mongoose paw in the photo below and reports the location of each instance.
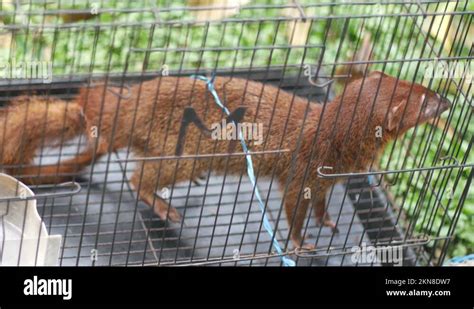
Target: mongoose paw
(307, 246)
(332, 225)
(174, 215)
(329, 223)
(301, 244)
(169, 214)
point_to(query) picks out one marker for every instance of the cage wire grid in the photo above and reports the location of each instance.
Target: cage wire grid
(106, 224)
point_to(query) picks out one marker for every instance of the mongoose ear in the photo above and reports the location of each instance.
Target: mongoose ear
(395, 115)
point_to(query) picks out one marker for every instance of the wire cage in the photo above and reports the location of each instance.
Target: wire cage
(414, 197)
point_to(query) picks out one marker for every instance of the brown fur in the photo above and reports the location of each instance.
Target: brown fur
(345, 132)
(27, 124)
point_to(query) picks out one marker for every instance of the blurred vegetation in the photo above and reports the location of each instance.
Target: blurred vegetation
(115, 41)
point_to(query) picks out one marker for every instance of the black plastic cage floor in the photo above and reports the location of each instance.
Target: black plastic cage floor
(226, 225)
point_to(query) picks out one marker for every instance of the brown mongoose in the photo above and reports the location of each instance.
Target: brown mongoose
(149, 121)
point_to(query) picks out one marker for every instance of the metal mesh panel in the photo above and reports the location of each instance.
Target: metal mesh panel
(410, 197)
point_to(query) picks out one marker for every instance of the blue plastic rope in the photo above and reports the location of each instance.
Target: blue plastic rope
(462, 259)
(250, 172)
(372, 180)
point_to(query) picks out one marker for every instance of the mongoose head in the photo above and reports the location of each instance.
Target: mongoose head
(380, 100)
(372, 111)
(402, 104)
